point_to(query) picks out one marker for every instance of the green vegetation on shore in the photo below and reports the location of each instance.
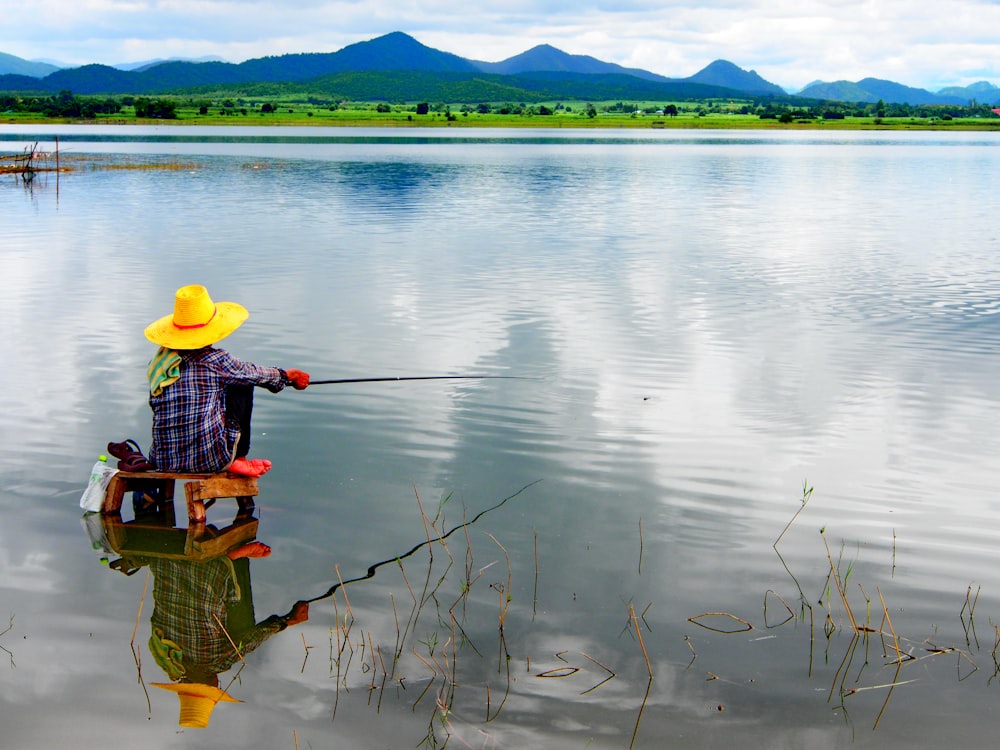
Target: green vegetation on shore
(226, 109)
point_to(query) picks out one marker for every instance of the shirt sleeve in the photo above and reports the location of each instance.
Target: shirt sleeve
(234, 371)
(250, 641)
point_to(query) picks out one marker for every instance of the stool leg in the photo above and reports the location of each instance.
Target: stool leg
(113, 497)
(195, 505)
(196, 511)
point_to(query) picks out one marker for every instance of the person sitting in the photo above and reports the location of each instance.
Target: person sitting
(202, 396)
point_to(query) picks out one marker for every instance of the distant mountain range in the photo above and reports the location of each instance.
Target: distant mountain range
(145, 64)
(11, 65)
(543, 72)
(874, 89)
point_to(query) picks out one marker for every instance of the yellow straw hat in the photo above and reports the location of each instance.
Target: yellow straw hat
(197, 701)
(197, 321)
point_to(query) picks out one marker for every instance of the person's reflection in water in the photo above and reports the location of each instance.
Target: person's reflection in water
(202, 612)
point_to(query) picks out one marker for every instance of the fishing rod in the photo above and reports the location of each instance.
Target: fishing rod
(418, 377)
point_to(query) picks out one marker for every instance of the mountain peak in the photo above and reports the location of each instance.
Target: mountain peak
(729, 75)
(544, 58)
(398, 51)
(18, 66)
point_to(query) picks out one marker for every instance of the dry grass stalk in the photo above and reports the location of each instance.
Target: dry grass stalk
(504, 663)
(868, 609)
(970, 602)
(975, 668)
(812, 639)
(432, 667)
(398, 649)
(229, 638)
(426, 522)
(842, 669)
(411, 617)
(696, 620)
(470, 564)
(805, 605)
(343, 643)
(774, 594)
(10, 626)
(611, 674)
(835, 575)
(336, 687)
(558, 672)
(643, 617)
(640, 546)
(899, 660)
(306, 649)
(892, 631)
(642, 644)
(504, 591)
(430, 684)
(374, 666)
(893, 553)
(642, 707)
(135, 653)
(806, 494)
(138, 616)
(852, 691)
(441, 660)
(343, 590)
(534, 597)
(970, 626)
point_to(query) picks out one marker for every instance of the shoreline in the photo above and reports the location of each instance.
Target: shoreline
(602, 122)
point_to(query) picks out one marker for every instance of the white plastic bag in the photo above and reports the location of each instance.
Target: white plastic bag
(98, 537)
(93, 497)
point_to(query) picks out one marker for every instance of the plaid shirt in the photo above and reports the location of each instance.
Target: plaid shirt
(190, 600)
(190, 431)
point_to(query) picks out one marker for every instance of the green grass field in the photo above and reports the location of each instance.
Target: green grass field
(304, 113)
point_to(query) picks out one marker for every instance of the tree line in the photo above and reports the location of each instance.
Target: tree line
(65, 104)
(833, 110)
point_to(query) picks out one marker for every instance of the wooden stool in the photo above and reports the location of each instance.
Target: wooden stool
(199, 488)
(197, 543)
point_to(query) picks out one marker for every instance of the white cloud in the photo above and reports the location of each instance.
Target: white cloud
(789, 43)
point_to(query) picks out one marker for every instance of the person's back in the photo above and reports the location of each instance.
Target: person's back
(201, 396)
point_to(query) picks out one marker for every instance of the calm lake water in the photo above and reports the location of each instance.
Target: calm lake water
(703, 325)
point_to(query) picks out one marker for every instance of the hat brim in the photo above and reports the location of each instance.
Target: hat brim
(197, 690)
(228, 317)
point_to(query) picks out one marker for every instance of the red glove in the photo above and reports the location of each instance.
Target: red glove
(298, 379)
(299, 613)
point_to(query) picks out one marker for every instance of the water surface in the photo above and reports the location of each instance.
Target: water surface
(706, 322)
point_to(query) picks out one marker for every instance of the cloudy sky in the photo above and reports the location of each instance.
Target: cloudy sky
(788, 42)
